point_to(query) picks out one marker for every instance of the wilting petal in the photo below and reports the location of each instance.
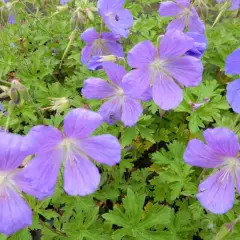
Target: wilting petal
(114, 72)
(174, 43)
(233, 63)
(89, 35)
(200, 155)
(200, 44)
(119, 22)
(169, 9)
(222, 140)
(195, 23)
(42, 139)
(81, 176)
(136, 82)
(176, 24)
(166, 93)
(11, 153)
(103, 149)
(106, 6)
(186, 70)
(80, 123)
(86, 53)
(233, 95)
(216, 193)
(111, 110)
(15, 214)
(42, 173)
(141, 54)
(97, 88)
(131, 111)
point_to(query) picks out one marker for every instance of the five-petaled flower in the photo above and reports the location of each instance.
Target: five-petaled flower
(185, 15)
(217, 192)
(233, 67)
(116, 18)
(120, 105)
(164, 69)
(100, 44)
(75, 149)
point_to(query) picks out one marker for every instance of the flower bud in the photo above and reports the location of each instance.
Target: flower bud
(15, 96)
(90, 15)
(78, 19)
(58, 104)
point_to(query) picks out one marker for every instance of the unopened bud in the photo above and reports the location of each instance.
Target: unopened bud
(93, 9)
(15, 96)
(90, 15)
(78, 20)
(63, 8)
(58, 104)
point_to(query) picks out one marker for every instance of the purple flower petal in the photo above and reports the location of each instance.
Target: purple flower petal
(103, 149)
(81, 177)
(176, 24)
(114, 48)
(35, 141)
(131, 111)
(95, 63)
(222, 141)
(11, 153)
(111, 110)
(166, 93)
(15, 214)
(114, 72)
(97, 88)
(106, 6)
(233, 62)
(141, 54)
(195, 23)
(62, 2)
(146, 96)
(200, 44)
(216, 193)
(169, 9)
(174, 43)
(233, 95)
(186, 70)
(42, 172)
(86, 53)
(11, 19)
(119, 22)
(89, 35)
(80, 123)
(136, 82)
(235, 4)
(200, 155)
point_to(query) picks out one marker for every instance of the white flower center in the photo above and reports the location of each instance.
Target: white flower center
(3, 178)
(156, 67)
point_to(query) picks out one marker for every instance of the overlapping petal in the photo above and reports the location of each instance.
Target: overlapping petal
(177, 24)
(41, 139)
(216, 193)
(111, 110)
(141, 54)
(174, 43)
(11, 153)
(15, 214)
(200, 155)
(80, 123)
(103, 149)
(233, 95)
(131, 111)
(89, 35)
(114, 72)
(97, 88)
(86, 53)
(222, 140)
(42, 172)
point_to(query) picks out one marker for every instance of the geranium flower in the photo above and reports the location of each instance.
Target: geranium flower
(217, 192)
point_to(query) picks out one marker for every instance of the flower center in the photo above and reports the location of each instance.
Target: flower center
(3, 178)
(231, 163)
(119, 91)
(156, 67)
